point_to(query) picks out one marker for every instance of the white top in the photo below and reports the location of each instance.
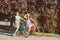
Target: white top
(18, 18)
(17, 21)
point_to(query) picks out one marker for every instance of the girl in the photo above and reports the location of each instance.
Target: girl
(17, 22)
(29, 24)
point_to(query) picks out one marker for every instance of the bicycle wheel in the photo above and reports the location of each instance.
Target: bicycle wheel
(26, 34)
(41, 29)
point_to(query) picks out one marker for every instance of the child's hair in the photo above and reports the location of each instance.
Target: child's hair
(16, 13)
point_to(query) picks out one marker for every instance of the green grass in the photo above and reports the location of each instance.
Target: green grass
(45, 33)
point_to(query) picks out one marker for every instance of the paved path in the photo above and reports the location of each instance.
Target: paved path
(5, 37)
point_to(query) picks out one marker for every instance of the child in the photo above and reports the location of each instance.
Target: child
(29, 24)
(17, 22)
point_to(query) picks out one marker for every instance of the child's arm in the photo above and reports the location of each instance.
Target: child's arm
(22, 18)
(25, 16)
(32, 19)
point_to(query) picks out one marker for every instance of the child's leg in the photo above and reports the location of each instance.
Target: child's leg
(16, 30)
(29, 29)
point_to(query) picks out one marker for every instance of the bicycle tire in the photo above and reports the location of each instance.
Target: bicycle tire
(41, 29)
(25, 34)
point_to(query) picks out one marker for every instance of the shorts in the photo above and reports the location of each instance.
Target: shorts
(29, 25)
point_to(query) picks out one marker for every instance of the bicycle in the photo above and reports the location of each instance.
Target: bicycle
(23, 29)
(39, 29)
(25, 32)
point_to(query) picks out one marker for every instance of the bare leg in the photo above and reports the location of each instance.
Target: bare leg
(16, 31)
(28, 31)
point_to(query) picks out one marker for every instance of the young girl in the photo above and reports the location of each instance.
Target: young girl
(29, 24)
(17, 22)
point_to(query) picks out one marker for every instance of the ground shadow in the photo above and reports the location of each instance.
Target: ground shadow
(6, 32)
